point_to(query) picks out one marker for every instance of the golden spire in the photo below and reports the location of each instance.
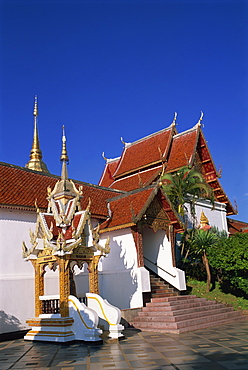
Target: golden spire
(64, 157)
(35, 162)
(204, 222)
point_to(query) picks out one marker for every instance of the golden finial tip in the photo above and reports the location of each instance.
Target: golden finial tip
(64, 156)
(35, 113)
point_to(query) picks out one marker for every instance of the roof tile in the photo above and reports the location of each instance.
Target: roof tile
(20, 187)
(146, 151)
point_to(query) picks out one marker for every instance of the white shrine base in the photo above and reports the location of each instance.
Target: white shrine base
(50, 329)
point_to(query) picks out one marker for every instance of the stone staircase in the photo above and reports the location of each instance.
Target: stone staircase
(159, 288)
(178, 314)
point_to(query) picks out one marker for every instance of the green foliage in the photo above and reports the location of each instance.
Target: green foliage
(231, 254)
(186, 186)
(230, 259)
(198, 288)
(202, 241)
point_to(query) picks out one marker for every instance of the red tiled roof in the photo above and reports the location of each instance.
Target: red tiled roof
(109, 169)
(126, 209)
(182, 150)
(20, 187)
(137, 180)
(187, 148)
(235, 226)
(144, 152)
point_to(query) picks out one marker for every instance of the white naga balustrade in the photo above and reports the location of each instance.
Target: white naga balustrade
(81, 324)
(110, 314)
(85, 322)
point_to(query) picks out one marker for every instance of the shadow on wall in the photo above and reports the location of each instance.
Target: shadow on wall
(118, 281)
(9, 323)
(131, 273)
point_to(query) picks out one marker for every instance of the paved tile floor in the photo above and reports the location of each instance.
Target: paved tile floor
(222, 347)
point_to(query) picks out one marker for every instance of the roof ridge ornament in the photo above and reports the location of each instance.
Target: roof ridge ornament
(173, 123)
(35, 162)
(103, 155)
(124, 143)
(199, 124)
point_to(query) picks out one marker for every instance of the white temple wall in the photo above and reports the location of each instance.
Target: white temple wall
(158, 257)
(120, 278)
(121, 281)
(216, 216)
(16, 274)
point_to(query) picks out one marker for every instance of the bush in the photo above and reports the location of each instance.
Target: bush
(230, 259)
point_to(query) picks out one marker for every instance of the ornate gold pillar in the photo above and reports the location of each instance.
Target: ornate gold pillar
(93, 274)
(39, 286)
(64, 286)
(137, 236)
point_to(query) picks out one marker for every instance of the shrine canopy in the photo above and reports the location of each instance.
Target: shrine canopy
(144, 161)
(65, 226)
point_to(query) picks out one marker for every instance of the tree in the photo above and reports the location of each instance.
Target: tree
(200, 244)
(230, 259)
(186, 186)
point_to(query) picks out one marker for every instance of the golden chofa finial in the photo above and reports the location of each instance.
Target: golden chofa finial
(35, 113)
(64, 156)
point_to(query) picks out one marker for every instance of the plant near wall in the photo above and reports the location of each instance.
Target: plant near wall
(201, 243)
(230, 259)
(186, 186)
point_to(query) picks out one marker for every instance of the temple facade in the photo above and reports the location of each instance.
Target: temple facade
(106, 239)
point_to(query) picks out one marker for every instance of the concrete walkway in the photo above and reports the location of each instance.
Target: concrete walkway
(222, 347)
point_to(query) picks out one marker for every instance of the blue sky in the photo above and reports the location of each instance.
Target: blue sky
(111, 69)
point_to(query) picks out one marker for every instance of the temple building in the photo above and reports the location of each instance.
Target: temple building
(106, 239)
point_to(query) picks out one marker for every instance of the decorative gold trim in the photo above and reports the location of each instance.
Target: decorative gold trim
(124, 226)
(50, 333)
(69, 300)
(101, 309)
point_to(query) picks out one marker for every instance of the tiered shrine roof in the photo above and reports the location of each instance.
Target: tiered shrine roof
(144, 161)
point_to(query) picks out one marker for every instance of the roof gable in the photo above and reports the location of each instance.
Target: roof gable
(126, 210)
(109, 169)
(148, 151)
(182, 149)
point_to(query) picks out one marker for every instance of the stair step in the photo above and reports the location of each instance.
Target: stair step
(170, 311)
(165, 301)
(160, 288)
(176, 318)
(176, 307)
(161, 295)
(177, 298)
(185, 323)
(189, 328)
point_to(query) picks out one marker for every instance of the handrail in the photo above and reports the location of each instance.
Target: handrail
(155, 264)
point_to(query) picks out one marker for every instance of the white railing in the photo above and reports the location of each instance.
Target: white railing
(107, 312)
(85, 320)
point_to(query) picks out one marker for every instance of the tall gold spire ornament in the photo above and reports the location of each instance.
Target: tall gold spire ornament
(35, 163)
(64, 157)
